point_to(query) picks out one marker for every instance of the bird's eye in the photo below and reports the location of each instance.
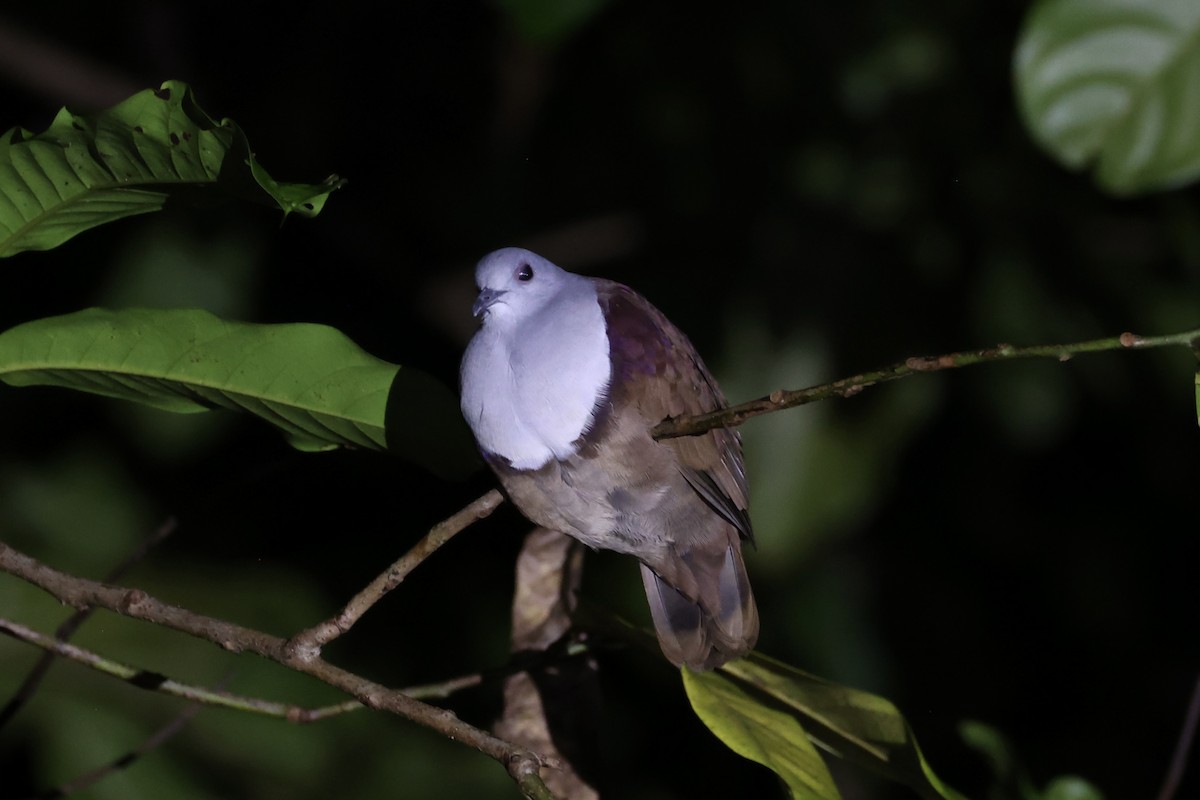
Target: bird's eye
(524, 273)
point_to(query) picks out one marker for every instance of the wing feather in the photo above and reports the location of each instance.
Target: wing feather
(656, 368)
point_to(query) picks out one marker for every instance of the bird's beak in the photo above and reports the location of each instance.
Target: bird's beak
(485, 300)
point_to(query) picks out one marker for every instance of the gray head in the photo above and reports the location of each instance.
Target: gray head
(515, 284)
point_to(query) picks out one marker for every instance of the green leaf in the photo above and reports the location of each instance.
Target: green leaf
(857, 726)
(1114, 85)
(310, 381)
(763, 734)
(1071, 787)
(550, 22)
(1009, 776)
(86, 170)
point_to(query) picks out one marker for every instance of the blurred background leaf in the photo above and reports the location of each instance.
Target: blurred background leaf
(1010, 780)
(549, 22)
(1112, 86)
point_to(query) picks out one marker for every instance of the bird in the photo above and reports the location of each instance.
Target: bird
(562, 385)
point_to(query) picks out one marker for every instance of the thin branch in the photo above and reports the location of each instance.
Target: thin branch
(135, 603)
(529, 780)
(155, 682)
(154, 741)
(691, 425)
(1179, 759)
(67, 629)
(308, 643)
(152, 681)
(443, 689)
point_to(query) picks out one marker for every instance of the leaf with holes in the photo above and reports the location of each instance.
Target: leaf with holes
(310, 381)
(1114, 85)
(86, 170)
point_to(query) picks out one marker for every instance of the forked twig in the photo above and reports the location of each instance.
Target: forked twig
(308, 643)
(29, 686)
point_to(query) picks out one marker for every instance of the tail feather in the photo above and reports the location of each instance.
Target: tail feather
(719, 625)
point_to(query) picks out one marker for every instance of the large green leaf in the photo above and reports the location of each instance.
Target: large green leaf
(1115, 84)
(310, 381)
(761, 733)
(86, 170)
(857, 726)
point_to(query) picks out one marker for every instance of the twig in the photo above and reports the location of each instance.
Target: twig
(67, 629)
(155, 682)
(135, 603)
(529, 781)
(308, 643)
(442, 689)
(152, 681)
(154, 741)
(691, 425)
(1179, 759)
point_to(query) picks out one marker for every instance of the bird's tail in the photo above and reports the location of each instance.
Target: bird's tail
(711, 617)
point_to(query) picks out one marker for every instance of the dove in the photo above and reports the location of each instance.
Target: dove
(562, 384)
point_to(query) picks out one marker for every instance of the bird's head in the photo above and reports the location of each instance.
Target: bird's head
(515, 284)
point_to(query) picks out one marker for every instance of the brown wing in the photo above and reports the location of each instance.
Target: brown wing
(658, 370)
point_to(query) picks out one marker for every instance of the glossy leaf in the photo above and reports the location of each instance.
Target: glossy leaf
(769, 736)
(86, 170)
(310, 381)
(1114, 85)
(850, 724)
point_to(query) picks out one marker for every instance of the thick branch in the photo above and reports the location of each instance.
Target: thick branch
(135, 603)
(691, 425)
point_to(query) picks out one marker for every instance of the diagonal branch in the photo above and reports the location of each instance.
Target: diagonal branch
(156, 740)
(308, 643)
(692, 425)
(521, 763)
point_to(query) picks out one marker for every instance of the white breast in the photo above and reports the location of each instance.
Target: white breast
(529, 390)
